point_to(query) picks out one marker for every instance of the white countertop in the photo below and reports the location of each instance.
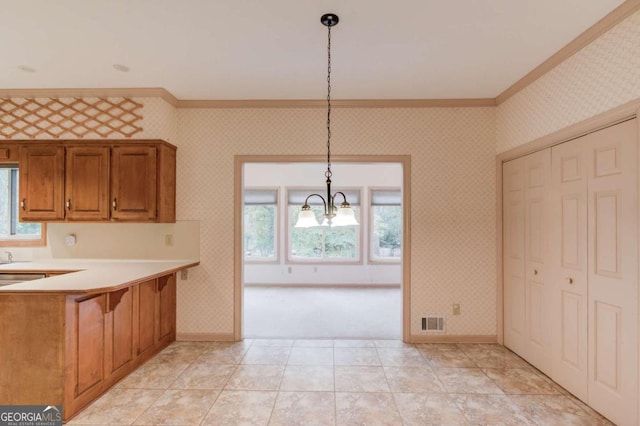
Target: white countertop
(90, 276)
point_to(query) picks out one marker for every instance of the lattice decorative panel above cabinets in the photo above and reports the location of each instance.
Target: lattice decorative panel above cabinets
(32, 118)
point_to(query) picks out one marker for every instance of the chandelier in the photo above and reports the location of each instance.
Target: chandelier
(333, 216)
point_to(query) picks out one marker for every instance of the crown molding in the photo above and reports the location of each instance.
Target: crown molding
(133, 92)
(599, 28)
(159, 92)
(338, 103)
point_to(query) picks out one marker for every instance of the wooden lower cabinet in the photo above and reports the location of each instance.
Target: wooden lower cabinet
(167, 308)
(89, 343)
(156, 301)
(146, 303)
(69, 349)
(119, 345)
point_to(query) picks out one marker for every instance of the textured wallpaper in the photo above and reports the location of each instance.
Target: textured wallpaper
(453, 199)
(601, 76)
(87, 118)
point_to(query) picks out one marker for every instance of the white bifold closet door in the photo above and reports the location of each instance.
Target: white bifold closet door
(594, 249)
(569, 266)
(526, 257)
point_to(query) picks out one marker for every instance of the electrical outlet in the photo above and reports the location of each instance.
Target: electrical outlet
(456, 309)
(168, 240)
(184, 274)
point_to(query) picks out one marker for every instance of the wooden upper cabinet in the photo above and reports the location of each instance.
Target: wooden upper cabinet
(9, 153)
(87, 182)
(41, 182)
(96, 181)
(166, 183)
(133, 183)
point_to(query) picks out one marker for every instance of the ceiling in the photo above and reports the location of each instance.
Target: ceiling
(257, 49)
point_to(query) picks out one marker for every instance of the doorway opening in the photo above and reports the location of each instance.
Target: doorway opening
(344, 282)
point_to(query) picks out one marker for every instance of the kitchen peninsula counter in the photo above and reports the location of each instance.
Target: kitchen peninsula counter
(68, 338)
(83, 276)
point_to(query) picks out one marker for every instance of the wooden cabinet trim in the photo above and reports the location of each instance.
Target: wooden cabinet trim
(114, 298)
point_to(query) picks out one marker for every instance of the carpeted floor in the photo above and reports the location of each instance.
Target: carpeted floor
(312, 313)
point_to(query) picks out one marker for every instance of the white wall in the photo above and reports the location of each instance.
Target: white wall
(116, 241)
(295, 175)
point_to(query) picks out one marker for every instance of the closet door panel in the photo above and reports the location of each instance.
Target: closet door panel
(526, 257)
(569, 302)
(572, 319)
(572, 253)
(514, 254)
(537, 348)
(613, 272)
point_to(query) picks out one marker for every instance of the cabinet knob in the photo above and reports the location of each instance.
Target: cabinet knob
(115, 204)
(69, 204)
(535, 272)
(569, 280)
(23, 204)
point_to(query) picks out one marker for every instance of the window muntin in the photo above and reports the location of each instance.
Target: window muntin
(322, 243)
(12, 231)
(386, 225)
(260, 229)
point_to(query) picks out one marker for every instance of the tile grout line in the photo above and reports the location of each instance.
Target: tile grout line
(393, 397)
(275, 400)
(226, 381)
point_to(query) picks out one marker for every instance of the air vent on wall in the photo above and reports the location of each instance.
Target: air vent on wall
(432, 324)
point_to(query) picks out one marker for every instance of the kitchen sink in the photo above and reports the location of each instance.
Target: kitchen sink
(14, 278)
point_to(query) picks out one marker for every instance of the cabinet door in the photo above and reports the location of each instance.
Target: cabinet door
(41, 182)
(569, 266)
(166, 204)
(613, 271)
(89, 344)
(167, 307)
(87, 183)
(145, 330)
(133, 183)
(119, 347)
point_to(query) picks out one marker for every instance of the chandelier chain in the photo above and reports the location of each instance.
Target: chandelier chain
(328, 172)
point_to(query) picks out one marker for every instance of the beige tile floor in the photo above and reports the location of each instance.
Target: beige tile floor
(336, 382)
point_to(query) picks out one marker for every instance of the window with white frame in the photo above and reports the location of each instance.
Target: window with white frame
(322, 243)
(386, 225)
(260, 225)
(12, 231)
